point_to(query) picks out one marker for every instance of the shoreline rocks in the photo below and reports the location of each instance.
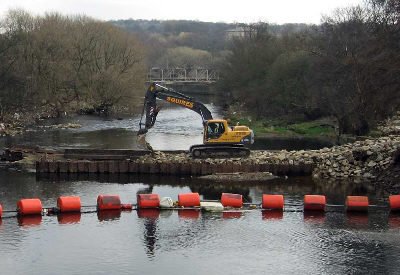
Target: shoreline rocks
(362, 159)
(359, 160)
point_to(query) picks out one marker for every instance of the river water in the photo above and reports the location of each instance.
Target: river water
(184, 242)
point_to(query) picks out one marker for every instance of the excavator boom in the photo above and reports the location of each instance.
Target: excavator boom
(157, 91)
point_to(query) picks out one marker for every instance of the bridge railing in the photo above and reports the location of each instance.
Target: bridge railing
(197, 75)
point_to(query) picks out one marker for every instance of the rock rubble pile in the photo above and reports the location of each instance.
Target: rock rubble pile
(362, 159)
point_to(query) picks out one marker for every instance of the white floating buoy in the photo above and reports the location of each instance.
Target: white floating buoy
(166, 202)
(211, 206)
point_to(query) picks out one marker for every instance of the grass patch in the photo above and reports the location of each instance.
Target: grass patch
(375, 133)
(313, 128)
(275, 126)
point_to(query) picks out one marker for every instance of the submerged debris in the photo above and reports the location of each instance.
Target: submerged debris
(242, 177)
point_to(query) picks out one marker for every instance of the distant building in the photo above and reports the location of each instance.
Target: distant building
(236, 32)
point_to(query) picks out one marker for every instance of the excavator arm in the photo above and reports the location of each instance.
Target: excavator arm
(150, 109)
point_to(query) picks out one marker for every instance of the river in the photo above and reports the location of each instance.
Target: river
(154, 242)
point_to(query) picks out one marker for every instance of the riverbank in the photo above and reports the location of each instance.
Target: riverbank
(271, 127)
(21, 123)
(326, 128)
(359, 161)
(362, 160)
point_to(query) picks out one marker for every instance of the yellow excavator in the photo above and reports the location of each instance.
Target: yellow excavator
(219, 139)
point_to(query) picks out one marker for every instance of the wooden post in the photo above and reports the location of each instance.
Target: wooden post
(154, 168)
(93, 167)
(72, 166)
(174, 168)
(123, 166)
(101, 167)
(63, 165)
(195, 168)
(53, 167)
(112, 168)
(163, 168)
(42, 166)
(133, 167)
(81, 166)
(144, 168)
(185, 169)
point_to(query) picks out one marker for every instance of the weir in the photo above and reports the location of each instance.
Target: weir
(103, 161)
(199, 167)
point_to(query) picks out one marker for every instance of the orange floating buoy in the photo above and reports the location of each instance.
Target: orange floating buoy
(189, 214)
(357, 203)
(69, 204)
(272, 201)
(1, 210)
(29, 207)
(108, 202)
(69, 218)
(394, 202)
(231, 200)
(189, 199)
(126, 206)
(148, 200)
(314, 202)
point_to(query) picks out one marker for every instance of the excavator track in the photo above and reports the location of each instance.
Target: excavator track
(219, 151)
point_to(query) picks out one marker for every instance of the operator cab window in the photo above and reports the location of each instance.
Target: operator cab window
(215, 130)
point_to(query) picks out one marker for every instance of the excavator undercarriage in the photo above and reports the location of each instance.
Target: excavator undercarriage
(219, 151)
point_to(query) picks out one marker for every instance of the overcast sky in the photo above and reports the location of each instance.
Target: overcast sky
(273, 11)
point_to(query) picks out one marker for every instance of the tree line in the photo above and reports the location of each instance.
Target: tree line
(180, 43)
(54, 64)
(348, 67)
(187, 43)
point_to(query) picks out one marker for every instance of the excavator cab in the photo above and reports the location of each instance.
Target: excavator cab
(218, 131)
(214, 130)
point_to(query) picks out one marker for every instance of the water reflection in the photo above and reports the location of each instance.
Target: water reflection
(69, 218)
(149, 218)
(357, 219)
(232, 214)
(189, 214)
(335, 192)
(314, 217)
(108, 215)
(314, 243)
(29, 220)
(272, 214)
(394, 221)
(151, 214)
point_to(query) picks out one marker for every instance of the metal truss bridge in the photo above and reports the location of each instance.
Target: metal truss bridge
(182, 75)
